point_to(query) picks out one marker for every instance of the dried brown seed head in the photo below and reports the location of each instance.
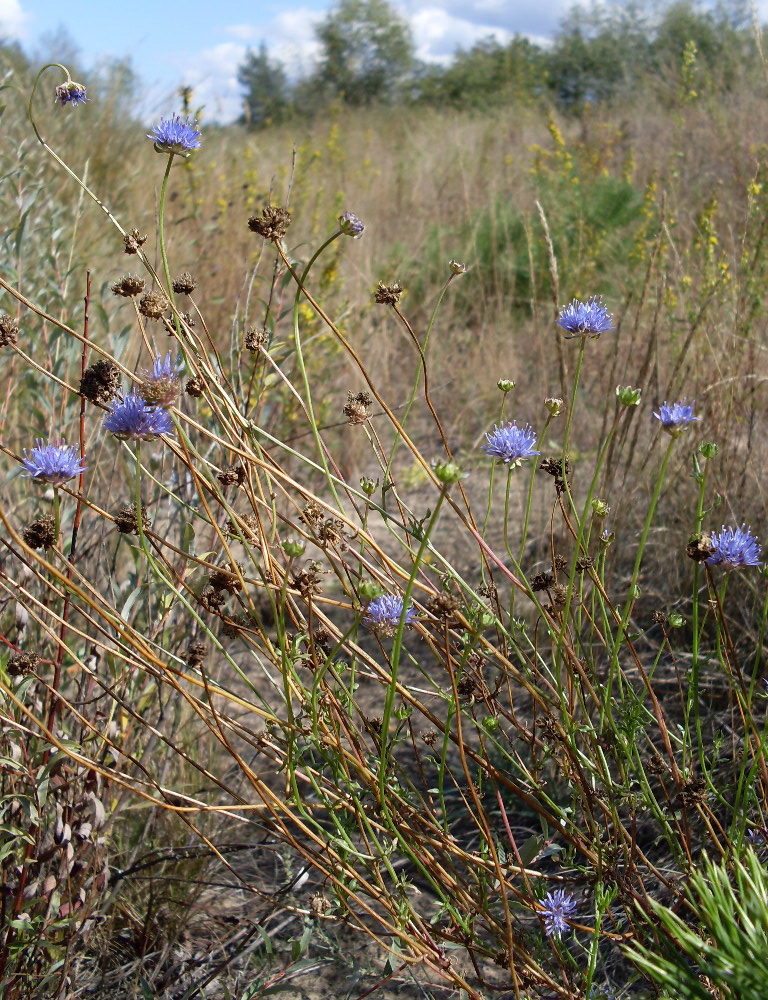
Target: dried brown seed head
(153, 304)
(41, 533)
(272, 224)
(184, 284)
(128, 285)
(388, 295)
(9, 330)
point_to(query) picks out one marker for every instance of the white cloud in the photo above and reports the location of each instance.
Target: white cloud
(213, 76)
(12, 19)
(438, 34)
(292, 40)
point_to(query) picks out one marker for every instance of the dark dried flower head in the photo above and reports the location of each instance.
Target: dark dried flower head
(9, 330)
(212, 599)
(559, 469)
(247, 526)
(542, 581)
(161, 386)
(312, 515)
(256, 339)
(128, 285)
(700, 547)
(100, 382)
(41, 533)
(184, 284)
(272, 224)
(71, 93)
(233, 476)
(307, 580)
(22, 663)
(153, 305)
(357, 407)
(443, 605)
(430, 737)
(222, 579)
(126, 521)
(195, 387)
(332, 532)
(133, 242)
(388, 295)
(196, 654)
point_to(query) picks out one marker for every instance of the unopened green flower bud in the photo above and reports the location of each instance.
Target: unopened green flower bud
(369, 589)
(675, 620)
(447, 471)
(607, 537)
(457, 268)
(294, 547)
(600, 508)
(490, 722)
(368, 485)
(628, 396)
(709, 449)
(506, 384)
(554, 404)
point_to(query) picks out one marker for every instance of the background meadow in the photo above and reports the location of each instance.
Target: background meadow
(228, 772)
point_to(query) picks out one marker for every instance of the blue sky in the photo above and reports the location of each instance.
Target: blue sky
(174, 42)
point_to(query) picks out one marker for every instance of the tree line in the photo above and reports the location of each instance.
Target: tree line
(599, 53)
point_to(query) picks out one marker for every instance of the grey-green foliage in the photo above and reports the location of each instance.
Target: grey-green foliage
(367, 52)
(723, 936)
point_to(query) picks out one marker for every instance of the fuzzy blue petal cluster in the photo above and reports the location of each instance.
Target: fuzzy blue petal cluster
(135, 419)
(55, 464)
(735, 548)
(165, 368)
(556, 908)
(175, 135)
(71, 93)
(351, 225)
(384, 614)
(511, 444)
(591, 318)
(675, 417)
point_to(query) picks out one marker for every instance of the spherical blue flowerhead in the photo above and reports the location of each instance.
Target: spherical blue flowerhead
(511, 444)
(734, 548)
(55, 464)
(384, 614)
(675, 417)
(175, 135)
(556, 908)
(351, 225)
(71, 93)
(136, 419)
(585, 318)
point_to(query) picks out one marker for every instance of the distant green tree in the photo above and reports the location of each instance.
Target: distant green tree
(367, 52)
(598, 52)
(488, 73)
(721, 36)
(266, 98)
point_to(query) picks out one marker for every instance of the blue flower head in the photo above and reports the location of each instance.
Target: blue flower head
(384, 614)
(511, 444)
(55, 464)
(734, 548)
(175, 135)
(71, 93)
(556, 908)
(675, 417)
(585, 318)
(351, 225)
(161, 386)
(136, 419)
